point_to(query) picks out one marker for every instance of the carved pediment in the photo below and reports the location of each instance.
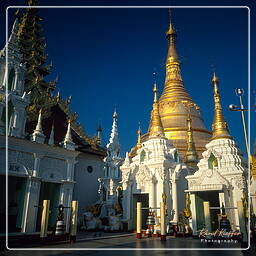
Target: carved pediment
(208, 180)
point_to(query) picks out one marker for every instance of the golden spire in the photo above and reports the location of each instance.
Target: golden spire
(155, 127)
(219, 125)
(191, 155)
(174, 88)
(139, 139)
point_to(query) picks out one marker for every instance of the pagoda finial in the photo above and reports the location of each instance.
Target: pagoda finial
(99, 131)
(39, 122)
(68, 136)
(219, 125)
(171, 31)
(155, 127)
(191, 155)
(113, 146)
(139, 138)
(68, 142)
(38, 135)
(174, 86)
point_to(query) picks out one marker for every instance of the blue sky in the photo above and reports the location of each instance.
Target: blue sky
(105, 58)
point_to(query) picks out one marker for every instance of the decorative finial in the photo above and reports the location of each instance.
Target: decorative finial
(155, 127)
(171, 30)
(215, 78)
(191, 157)
(38, 135)
(139, 138)
(99, 131)
(68, 142)
(219, 125)
(58, 95)
(115, 115)
(68, 100)
(155, 93)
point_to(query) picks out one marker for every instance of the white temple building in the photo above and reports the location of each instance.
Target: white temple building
(47, 150)
(153, 174)
(36, 170)
(221, 175)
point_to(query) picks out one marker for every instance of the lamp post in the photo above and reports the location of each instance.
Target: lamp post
(232, 107)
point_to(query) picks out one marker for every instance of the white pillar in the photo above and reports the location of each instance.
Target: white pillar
(175, 201)
(70, 169)
(207, 216)
(37, 164)
(159, 190)
(128, 202)
(222, 199)
(152, 195)
(31, 200)
(65, 199)
(16, 79)
(193, 213)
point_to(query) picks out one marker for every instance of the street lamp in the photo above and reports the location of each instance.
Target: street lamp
(232, 107)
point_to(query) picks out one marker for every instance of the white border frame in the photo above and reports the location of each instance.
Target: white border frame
(248, 130)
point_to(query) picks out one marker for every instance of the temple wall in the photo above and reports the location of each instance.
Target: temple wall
(87, 184)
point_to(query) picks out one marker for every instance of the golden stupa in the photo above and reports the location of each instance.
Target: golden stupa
(175, 104)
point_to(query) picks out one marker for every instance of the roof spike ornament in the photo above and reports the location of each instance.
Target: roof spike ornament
(68, 142)
(51, 138)
(38, 135)
(191, 157)
(219, 125)
(155, 127)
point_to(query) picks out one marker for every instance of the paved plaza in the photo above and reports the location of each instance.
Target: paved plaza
(127, 245)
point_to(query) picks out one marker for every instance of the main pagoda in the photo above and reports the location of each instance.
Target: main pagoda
(175, 105)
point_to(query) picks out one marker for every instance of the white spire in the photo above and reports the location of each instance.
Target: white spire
(13, 45)
(68, 142)
(114, 133)
(51, 138)
(39, 123)
(38, 135)
(127, 159)
(113, 146)
(68, 137)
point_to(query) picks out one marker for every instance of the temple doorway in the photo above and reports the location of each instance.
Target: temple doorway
(213, 197)
(144, 199)
(49, 191)
(16, 196)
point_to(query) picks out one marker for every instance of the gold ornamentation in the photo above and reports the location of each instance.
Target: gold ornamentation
(187, 210)
(191, 155)
(219, 125)
(139, 139)
(245, 204)
(155, 127)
